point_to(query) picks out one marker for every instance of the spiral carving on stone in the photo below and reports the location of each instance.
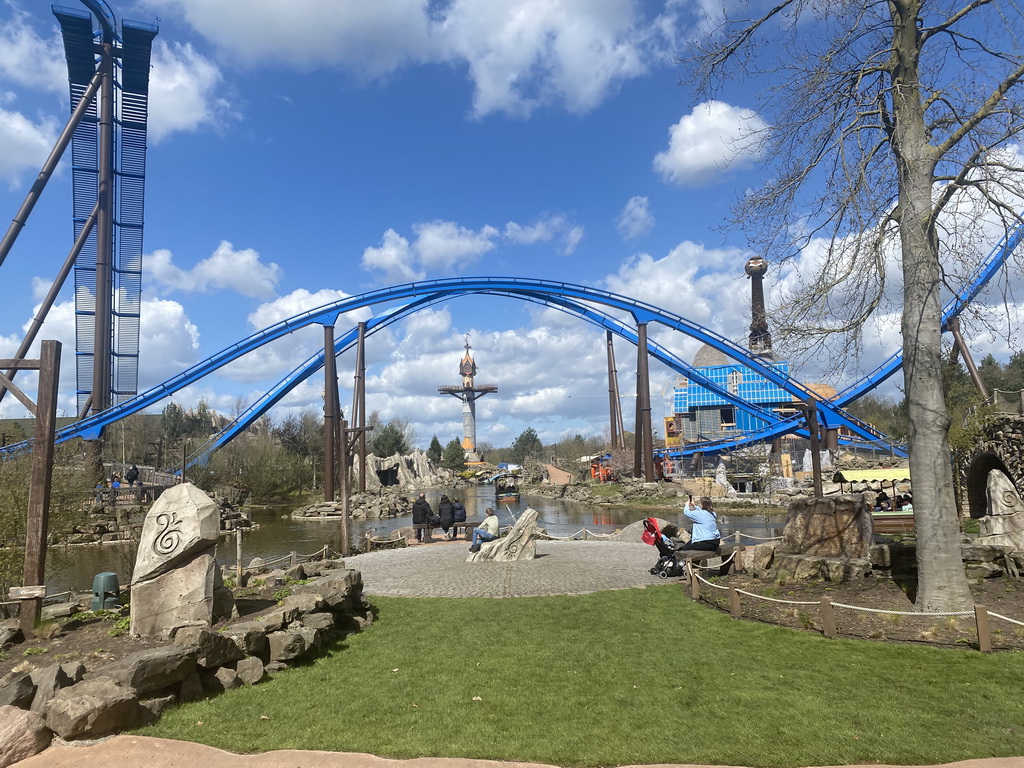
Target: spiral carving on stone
(512, 547)
(169, 537)
(1010, 498)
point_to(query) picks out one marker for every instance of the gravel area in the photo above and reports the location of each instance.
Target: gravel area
(560, 568)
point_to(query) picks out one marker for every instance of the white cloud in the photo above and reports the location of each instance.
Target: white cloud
(183, 92)
(370, 39)
(225, 269)
(444, 244)
(572, 239)
(439, 245)
(527, 53)
(27, 59)
(394, 260)
(168, 344)
(272, 361)
(520, 54)
(636, 218)
(713, 138)
(24, 145)
(446, 247)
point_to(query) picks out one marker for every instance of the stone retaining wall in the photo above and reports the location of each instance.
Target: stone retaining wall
(765, 561)
(75, 702)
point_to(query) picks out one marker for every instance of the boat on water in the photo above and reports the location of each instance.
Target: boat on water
(506, 488)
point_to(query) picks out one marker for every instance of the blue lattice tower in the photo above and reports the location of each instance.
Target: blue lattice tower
(108, 178)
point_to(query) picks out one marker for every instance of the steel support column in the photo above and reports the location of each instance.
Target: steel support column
(103, 317)
(644, 401)
(960, 347)
(359, 405)
(21, 218)
(614, 403)
(51, 296)
(812, 429)
(330, 413)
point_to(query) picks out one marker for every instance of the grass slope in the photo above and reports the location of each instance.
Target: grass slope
(635, 676)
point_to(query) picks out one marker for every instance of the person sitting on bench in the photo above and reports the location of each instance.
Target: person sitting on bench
(705, 534)
(488, 531)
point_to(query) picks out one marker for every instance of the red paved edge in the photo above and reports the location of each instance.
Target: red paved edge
(135, 751)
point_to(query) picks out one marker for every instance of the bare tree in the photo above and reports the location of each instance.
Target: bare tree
(891, 133)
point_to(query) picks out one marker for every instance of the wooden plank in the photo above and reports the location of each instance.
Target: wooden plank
(26, 593)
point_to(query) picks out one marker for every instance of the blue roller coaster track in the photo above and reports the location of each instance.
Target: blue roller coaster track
(590, 304)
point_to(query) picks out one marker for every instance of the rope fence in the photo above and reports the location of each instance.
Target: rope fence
(827, 608)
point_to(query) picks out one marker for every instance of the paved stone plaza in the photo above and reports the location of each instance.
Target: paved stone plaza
(561, 568)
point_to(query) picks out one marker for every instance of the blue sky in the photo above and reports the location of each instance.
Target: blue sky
(305, 151)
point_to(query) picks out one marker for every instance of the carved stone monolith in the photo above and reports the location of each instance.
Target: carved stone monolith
(519, 544)
(173, 581)
(1004, 523)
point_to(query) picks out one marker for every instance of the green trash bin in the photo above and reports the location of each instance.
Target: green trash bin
(105, 591)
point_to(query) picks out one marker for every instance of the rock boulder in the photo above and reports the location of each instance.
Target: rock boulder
(519, 544)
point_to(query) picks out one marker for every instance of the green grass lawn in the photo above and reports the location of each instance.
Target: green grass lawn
(634, 676)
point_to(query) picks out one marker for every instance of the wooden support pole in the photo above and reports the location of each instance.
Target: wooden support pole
(828, 618)
(238, 556)
(734, 603)
(39, 491)
(738, 555)
(984, 631)
(346, 548)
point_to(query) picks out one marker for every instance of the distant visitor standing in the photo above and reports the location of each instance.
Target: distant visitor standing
(131, 475)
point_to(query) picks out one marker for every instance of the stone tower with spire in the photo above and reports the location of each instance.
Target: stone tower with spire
(468, 392)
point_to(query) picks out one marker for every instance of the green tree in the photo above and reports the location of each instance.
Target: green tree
(883, 414)
(435, 450)
(454, 457)
(888, 120)
(526, 446)
(388, 440)
(69, 493)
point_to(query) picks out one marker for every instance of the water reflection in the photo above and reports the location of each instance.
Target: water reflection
(278, 534)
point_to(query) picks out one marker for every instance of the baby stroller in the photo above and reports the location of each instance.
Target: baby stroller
(667, 566)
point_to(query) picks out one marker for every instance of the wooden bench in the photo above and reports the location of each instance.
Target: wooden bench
(702, 557)
(429, 528)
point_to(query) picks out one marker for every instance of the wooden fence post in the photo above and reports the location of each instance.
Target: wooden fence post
(984, 633)
(293, 559)
(238, 556)
(734, 603)
(828, 618)
(694, 583)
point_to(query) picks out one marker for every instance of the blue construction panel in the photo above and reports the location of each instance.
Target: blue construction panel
(131, 89)
(736, 379)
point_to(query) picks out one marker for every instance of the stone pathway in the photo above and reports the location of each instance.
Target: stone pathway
(561, 568)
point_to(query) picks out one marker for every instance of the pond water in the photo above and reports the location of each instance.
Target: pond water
(278, 534)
